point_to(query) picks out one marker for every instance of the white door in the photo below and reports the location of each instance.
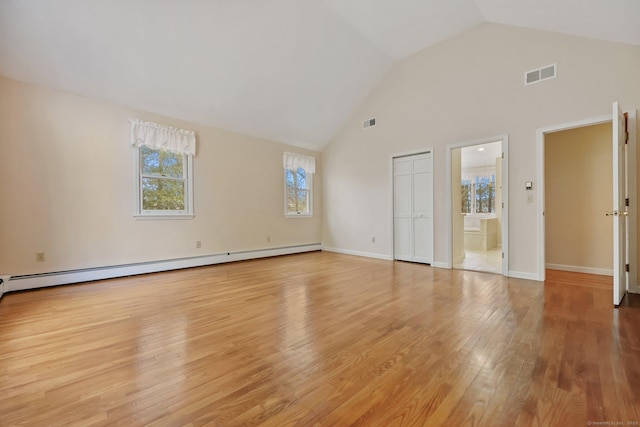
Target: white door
(619, 208)
(402, 208)
(413, 208)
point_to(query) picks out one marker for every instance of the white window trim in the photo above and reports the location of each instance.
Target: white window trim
(141, 214)
(309, 180)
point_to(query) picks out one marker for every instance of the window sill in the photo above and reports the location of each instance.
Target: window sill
(298, 215)
(162, 217)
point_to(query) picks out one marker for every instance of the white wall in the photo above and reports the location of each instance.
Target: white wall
(467, 88)
(67, 188)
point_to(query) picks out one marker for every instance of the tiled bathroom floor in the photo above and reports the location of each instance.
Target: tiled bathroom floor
(488, 261)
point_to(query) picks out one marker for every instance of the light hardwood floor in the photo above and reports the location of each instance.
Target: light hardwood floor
(320, 339)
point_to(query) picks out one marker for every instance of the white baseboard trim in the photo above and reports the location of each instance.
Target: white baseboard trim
(34, 281)
(439, 264)
(578, 269)
(358, 253)
(435, 264)
(523, 275)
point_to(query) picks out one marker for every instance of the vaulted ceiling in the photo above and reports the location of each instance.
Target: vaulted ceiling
(286, 70)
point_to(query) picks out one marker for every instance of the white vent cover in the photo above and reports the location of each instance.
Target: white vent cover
(369, 122)
(540, 74)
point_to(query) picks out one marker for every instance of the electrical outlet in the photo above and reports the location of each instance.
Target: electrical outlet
(373, 239)
(529, 198)
(268, 239)
(40, 257)
(198, 244)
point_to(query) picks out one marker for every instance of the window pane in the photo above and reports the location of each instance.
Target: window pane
(161, 163)
(485, 194)
(291, 200)
(162, 194)
(289, 178)
(466, 196)
(301, 179)
(297, 179)
(302, 201)
(297, 201)
(297, 193)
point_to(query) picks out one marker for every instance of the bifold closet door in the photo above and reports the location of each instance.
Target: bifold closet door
(413, 208)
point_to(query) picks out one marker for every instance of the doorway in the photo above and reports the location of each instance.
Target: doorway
(579, 177)
(477, 191)
(623, 216)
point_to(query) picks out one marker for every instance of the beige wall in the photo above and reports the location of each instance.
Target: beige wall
(578, 192)
(67, 188)
(464, 89)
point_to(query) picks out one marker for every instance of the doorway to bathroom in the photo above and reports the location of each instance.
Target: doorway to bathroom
(478, 220)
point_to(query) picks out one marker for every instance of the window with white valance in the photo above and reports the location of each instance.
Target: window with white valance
(293, 161)
(163, 162)
(298, 183)
(161, 137)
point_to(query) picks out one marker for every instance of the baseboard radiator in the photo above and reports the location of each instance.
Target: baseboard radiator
(35, 281)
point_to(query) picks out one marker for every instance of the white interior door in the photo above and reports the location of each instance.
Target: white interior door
(619, 208)
(413, 208)
(402, 208)
(422, 232)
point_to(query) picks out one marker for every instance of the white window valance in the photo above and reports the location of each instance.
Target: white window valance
(163, 137)
(293, 161)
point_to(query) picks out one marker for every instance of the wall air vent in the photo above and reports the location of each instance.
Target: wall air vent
(368, 123)
(540, 74)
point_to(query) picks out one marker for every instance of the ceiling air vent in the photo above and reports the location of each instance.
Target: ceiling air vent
(368, 123)
(540, 74)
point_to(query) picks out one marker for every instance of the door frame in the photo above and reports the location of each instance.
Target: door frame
(631, 190)
(424, 150)
(505, 196)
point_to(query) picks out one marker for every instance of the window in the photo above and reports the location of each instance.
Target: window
(163, 181)
(467, 196)
(485, 194)
(163, 165)
(298, 190)
(298, 184)
(479, 195)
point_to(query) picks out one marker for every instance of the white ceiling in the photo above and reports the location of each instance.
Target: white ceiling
(481, 155)
(285, 70)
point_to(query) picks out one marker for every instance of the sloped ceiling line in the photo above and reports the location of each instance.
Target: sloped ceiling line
(285, 70)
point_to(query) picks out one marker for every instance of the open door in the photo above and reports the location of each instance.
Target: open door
(619, 212)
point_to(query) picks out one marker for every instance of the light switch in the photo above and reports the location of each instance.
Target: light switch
(528, 185)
